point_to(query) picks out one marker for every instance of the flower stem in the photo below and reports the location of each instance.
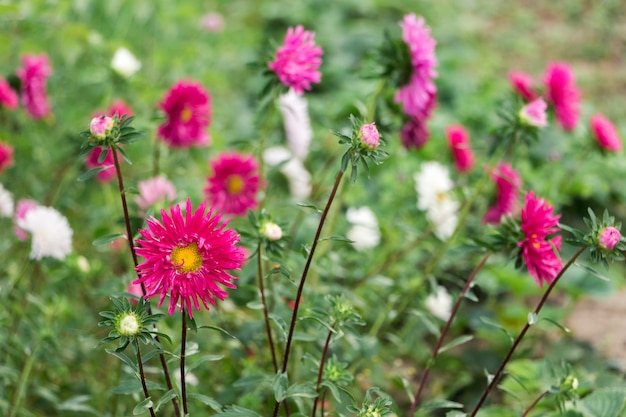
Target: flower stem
(320, 371)
(539, 398)
(444, 332)
(20, 391)
(183, 384)
(305, 272)
(268, 328)
(131, 246)
(142, 376)
(156, 156)
(543, 300)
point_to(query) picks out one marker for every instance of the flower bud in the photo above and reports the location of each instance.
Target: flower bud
(370, 138)
(101, 126)
(608, 238)
(271, 231)
(128, 324)
(534, 113)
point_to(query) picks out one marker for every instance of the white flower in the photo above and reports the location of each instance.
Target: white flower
(433, 186)
(440, 303)
(364, 232)
(125, 63)
(6, 203)
(129, 325)
(293, 169)
(51, 233)
(297, 124)
(444, 217)
(271, 231)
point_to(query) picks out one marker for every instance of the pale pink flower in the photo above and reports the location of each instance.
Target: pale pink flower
(233, 187)
(8, 96)
(188, 108)
(508, 184)
(153, 191)
(609, 237)
(370, 138)
(6, 156)
(605, 133)
(534, 113)
(33, 74)
(562, 92)
(101, 126)
(522, 84)
(298, 60)
(459, 143)
(23, 207)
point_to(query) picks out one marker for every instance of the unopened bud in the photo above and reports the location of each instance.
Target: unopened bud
(369, 135)
(101, 126)
(609, 237)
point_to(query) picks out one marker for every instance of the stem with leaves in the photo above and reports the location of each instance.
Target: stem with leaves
(142, 376)
(320, 371)
(496, 376)
(268, 327)
(539, 398)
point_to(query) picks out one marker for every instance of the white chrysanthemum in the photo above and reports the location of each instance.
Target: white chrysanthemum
(364, 232)
(440, 303)
(433, 186)
(51, 233)
(443, 216)
(125, 63)
(6, 203)
(294, 108)
(298, 177)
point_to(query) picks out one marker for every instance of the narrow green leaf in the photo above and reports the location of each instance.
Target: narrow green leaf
(280, 386)
(219, 329)
(142, 407)
(216, 406)
(164, 399)
(92, 173)
(128, 361)
(437, 404)
(103, 240)
(456, 342)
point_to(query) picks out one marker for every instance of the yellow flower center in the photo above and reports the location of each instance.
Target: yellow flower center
(185, 115)
(234, 184)
(186, 258)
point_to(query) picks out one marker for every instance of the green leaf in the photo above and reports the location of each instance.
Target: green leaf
(124, 155)
(165, 398)
(557, 324)
(280, 386)
(128, 361)
(205, 358)
(437, 404)
(103, 240)
(336, 238)
(456, 342)
(142, 407)
(216, 406)
(593, 272)
(311, 206)
(92, 173)
(219, 329)
(236, 411)
(606, 402)
(306, 390)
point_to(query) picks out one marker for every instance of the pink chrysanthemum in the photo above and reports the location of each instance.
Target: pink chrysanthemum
(187, 256)
(8, 96)
(6, 156)
(33, 74)
(23, 207)
(418, 95)
(534, 113)
(91, 162)
(155, 190)
(414, 133)
(368, 133)
(297, 62)
(233, 187)
(608, 238)
(188, 108)
(459, 142)
(605, 133)
(562, 92)
(539, 253)
(522, 84)
(508, 183)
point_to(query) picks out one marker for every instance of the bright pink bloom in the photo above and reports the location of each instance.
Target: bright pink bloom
(414, 133)
(187, 256)
(369, 135)
(538, 222)
(235, 182)
(562, 92)
(534, 113)
(297, 62)
(609, 238)
(418, 95)
(101, 126)
(605, 133)
(508, 183)
(155, 190)
(6, 156)
(188, 108)
(522, 84)
(23, 207)
(34, 74)
(8, 96)
(91, 162)
(459, 142)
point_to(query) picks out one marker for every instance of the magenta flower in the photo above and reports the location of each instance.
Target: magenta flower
(91, 162)
(23, 207)
(8, 96)
(609, 238)
(414, 133)
(235, 182)
(539, 251)
(459, 142)
(6, 156)
(508, 183)
(605, 133)
(522, 84)
(562, 92)
(534, 113)
(297, 62)
(33, 74)
(187, 256)
(417, 97)
(369, 135)
(188, 108)
(155, 190)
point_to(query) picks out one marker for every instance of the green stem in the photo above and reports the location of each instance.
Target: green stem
(305, 272)
(143, 377)
(20, 392)
(183, 347)
(266, 316)
(498, 373)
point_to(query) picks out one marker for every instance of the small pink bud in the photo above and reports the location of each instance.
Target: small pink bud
(534, 113)
(609, 237)
(271, 231)
(101, 126)
(369, 135)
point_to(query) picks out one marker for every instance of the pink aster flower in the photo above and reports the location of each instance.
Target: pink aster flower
(508, 183)
(417, 97)
(33, 74)
(562, 92)
(8, 96)
(91, 162)
(233, 187)
(459, 142)
(188, 108)
(369, 135)
(604, 132)
(23, 207)
(153, 191)
(539, 251)
(187, 256)
(101, 126)
(534, 113)
(414, 133)
(609, 238)
(522, 84)
(297, 62)
(6, 156)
